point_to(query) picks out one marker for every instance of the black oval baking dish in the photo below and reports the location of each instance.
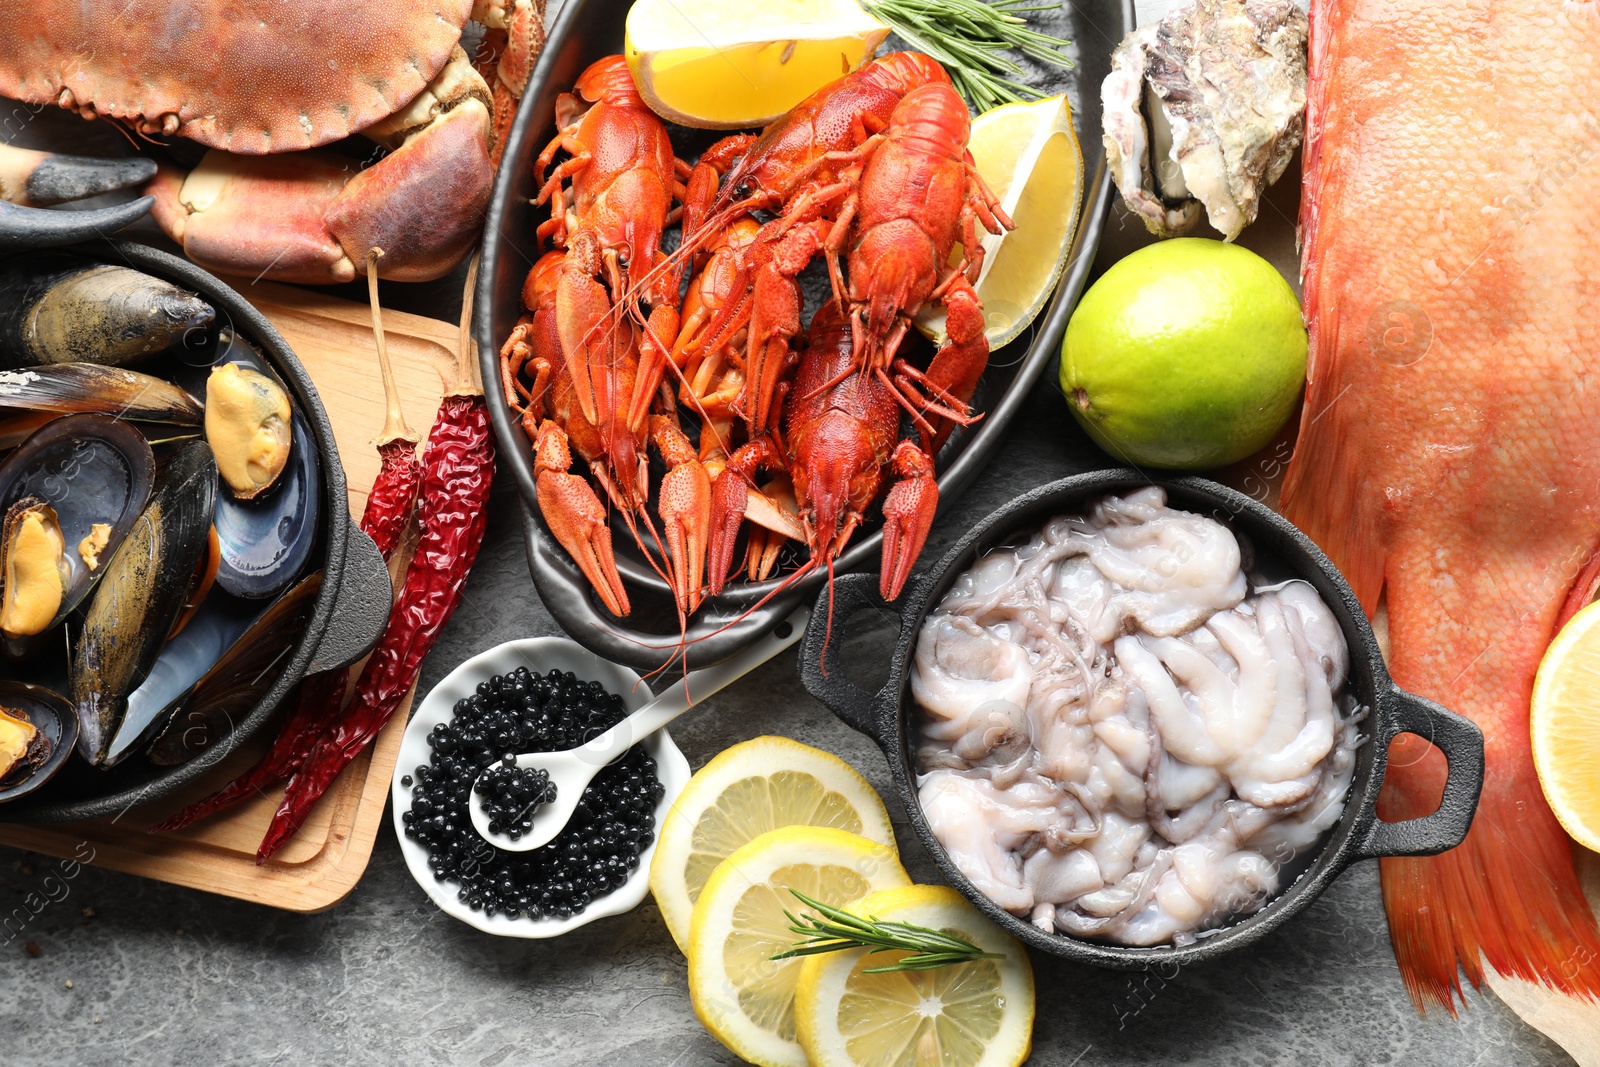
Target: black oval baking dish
(350, 610)
(584, 31)
(886, 716)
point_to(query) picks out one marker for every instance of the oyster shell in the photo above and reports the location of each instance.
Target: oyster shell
(1205, 109)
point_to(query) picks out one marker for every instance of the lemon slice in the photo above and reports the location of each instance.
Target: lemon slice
(1565, 726)
(741, 995)
(755, 786)
(977, 1014)
(1029, 155)
(721, 65)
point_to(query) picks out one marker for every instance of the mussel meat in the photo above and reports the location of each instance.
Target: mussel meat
(266, 542)
(248, 426)
(141, 592)
(92, 474)
(37, 732)
(232, 688)
(69, 387)
(35, 573)
(64, 310)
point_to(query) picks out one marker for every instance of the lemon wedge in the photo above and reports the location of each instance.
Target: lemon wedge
(755, 786)
(977, 1014)
(1029, 155)
(1565, 726)
(721, 65)
(740, 994)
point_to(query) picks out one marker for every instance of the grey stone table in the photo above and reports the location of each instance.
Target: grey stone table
(138, 972)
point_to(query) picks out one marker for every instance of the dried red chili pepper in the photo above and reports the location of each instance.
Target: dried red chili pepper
(390, 506)
(457, 472)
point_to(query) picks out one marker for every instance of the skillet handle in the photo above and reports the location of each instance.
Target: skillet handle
(1462, 744)
(360, 606)
(822, 671)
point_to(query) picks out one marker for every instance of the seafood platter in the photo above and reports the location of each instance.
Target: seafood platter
(754, 291)
(641, 612)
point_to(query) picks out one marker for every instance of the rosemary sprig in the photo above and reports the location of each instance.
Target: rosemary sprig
(970, 38)
(833, 930)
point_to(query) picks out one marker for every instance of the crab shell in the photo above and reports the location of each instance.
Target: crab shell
(248, 76)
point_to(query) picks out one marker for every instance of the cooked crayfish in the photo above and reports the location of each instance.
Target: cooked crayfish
(872, 172)
(841, 428)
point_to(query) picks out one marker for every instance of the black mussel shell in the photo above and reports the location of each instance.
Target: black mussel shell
(72, 387)
(140, 595)
(51, 715)
(266, 542)
(215, 627)
(61, 309)
(230, 690)
(94, 470)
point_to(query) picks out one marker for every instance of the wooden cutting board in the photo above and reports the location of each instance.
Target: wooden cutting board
(333, 338)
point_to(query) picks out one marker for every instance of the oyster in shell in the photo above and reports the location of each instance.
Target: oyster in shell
(1204, 109)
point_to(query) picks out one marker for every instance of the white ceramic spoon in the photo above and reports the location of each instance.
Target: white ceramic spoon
(572, 770)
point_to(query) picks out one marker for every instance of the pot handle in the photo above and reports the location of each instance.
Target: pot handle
(1462, 744)
(360, 605)
(822, 671)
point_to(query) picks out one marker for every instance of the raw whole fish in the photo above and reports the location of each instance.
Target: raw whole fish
(1448, 456)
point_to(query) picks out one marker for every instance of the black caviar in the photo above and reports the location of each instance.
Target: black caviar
(511, 795)
(615, 820)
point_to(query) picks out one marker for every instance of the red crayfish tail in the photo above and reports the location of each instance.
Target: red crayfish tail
(908, 513)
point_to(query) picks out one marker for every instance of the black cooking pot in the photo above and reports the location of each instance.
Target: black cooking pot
(886, 716)
(586, 30)
(346, 620)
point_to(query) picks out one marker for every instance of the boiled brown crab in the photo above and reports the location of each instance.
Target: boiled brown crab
(263, 84)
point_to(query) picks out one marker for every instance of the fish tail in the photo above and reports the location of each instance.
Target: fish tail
(1508, 896)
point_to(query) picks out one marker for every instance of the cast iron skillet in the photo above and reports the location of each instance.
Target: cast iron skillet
(584, 31)
(346, 620)
(885, 716)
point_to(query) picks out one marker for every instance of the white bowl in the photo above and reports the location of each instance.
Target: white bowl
(541, 654)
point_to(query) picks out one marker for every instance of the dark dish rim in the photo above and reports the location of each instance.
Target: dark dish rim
(885, 716)
(335, 633)
(717, 631)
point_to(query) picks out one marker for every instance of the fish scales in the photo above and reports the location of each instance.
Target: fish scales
(1448, 459)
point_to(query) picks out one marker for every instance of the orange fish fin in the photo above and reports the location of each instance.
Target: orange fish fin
(1508, 896)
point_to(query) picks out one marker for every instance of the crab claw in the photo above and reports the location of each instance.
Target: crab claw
(685, 507)
(576, 517)
(39, 179)
(311, 216)
(907, 516)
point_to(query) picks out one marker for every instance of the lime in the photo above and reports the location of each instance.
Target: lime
(1189, 353)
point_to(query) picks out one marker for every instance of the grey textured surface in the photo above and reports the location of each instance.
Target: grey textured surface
(160, 975)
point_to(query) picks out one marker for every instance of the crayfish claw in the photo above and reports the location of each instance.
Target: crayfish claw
(907, 516)
(685, 508)
(576, 517)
